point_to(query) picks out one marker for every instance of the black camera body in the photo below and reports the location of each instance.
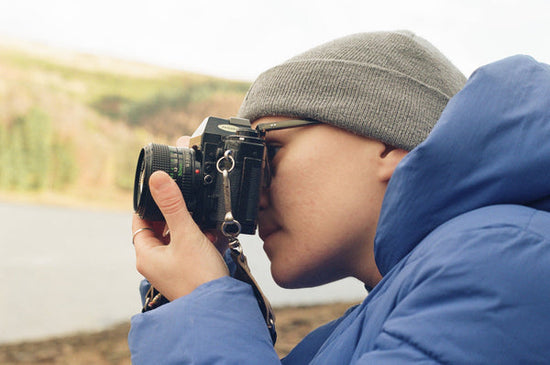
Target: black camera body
(198, 173)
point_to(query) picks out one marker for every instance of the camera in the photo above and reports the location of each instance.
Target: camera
(217, 144)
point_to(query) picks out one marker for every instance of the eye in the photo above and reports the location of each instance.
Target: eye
(272, 150)
(268, 168)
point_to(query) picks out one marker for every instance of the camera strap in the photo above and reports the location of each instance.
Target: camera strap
(243, 273)
(231, 229)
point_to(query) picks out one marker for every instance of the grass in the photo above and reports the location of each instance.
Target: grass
(101, 112)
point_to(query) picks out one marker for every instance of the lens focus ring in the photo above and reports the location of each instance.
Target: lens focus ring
(160, 158)
(179, 163)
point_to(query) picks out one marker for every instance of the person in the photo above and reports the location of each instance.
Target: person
(448, 228)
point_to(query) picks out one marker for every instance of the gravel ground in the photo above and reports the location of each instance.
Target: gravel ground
(110, 347)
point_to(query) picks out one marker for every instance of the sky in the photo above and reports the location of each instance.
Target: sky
(238, 39)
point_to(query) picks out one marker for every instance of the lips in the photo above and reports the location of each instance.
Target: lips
(266, 226)
(265, 232)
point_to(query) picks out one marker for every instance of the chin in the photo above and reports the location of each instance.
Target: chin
(286, 284)
(291, 280)
(283, 278)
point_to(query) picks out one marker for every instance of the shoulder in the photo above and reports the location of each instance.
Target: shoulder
(477, 282)
(491, 236)
(502, 249)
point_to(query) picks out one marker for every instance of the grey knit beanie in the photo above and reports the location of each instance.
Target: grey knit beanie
(390, 86)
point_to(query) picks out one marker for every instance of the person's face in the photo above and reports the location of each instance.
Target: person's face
(318, 217)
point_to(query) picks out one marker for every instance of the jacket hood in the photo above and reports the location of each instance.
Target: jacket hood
(490, 146)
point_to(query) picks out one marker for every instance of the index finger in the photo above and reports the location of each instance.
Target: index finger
(143, 233)
(183, 141)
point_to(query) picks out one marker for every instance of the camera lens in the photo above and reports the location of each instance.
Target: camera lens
(179, 163)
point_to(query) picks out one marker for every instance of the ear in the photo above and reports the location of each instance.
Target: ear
(389, 159)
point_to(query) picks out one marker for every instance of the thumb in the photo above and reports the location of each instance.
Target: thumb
(170, 201)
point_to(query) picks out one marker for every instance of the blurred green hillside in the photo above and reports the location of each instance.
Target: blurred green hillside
(71, 125)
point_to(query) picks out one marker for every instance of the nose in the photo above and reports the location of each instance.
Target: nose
(264, 198)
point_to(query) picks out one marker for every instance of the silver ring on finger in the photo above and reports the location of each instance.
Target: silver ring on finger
(138, 231)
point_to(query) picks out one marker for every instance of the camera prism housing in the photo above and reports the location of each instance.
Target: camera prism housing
(195, 171)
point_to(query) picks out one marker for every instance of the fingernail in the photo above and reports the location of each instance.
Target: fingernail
(211, 236)
(160, 180)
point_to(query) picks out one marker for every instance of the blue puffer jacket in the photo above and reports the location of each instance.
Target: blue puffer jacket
(463, 243)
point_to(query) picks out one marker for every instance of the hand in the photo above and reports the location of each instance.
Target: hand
(214, 235)
(187, 259)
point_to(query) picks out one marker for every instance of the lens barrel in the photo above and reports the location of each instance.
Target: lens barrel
(179, 163)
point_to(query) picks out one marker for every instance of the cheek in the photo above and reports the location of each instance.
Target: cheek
(295, 188)
(321, 201)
